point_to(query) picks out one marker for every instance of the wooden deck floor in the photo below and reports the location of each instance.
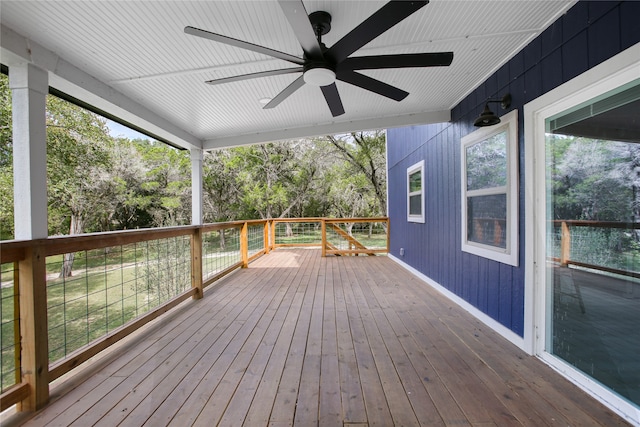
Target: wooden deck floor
(297, 339)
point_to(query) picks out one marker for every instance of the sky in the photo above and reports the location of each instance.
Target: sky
(118, 131)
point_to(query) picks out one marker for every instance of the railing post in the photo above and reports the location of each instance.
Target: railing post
(273, 234)
(565, 245)
(16, 325)
(196, 262)
(388, 235)
(267, 248)
(244, 245)
(323, 226)
(33, 327)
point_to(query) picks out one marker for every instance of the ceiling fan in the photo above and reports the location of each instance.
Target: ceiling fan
(322, 66)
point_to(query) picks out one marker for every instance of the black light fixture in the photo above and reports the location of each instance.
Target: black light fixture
(487, 117)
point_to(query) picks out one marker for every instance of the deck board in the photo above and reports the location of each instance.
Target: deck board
(297, 339)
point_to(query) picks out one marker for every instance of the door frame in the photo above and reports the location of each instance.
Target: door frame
(609, 75)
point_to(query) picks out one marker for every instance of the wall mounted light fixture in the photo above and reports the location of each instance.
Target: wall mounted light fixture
(487, 117)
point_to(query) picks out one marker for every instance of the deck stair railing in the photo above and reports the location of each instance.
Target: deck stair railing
(65, 299)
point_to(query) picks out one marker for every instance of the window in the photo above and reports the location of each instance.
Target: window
(415, 192)
(490, 191)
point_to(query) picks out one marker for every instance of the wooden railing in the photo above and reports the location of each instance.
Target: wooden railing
(566, 256)
(336, 236)
(258, 237)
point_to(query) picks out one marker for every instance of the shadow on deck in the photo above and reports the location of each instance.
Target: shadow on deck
(297, 339)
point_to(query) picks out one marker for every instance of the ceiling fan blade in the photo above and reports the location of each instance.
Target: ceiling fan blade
(397, 61)
(384, 18)
(255, 75)
(243, 45)
(298, 18)
(371, 84)
(286, 92)
(332, 97)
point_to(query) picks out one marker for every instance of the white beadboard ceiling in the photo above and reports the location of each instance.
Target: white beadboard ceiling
(133, 59)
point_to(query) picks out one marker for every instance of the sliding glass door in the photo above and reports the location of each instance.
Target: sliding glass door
(592, 248)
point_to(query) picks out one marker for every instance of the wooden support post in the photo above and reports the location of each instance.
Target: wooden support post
(16, 325)
(565, 245)
(196, 186)
(33, 327)
(244, 245)
(29, 88)
(388, 234)
(196, 263)
(273, 234)
(323, 226)
(267, 248)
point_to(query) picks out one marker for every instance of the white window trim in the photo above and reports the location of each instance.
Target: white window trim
(410, 171)
(508, 255)
(607, 76)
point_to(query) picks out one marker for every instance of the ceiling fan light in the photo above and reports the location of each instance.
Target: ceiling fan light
(319, 76)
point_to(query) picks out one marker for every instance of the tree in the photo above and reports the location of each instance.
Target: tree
(221, 194)
(129, 173)
(78, 160)
(273, 178)
(365, 153)
(6, 161)
(168, 181)
(593, 179)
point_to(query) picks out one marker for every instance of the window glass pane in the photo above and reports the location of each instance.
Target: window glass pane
(487, 220)
(415, 182)
(487, 163)
(593, 242)
(415, 205)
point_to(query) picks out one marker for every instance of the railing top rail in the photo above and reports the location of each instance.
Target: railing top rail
(361, 219)
(600, 224)
(13, 250)
(81, 242)
(310, 219)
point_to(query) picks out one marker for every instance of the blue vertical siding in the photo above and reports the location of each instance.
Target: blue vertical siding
(588, 34)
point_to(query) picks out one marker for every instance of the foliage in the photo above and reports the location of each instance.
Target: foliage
(100, 183)
(78, 162)
(486, 163)
(364, 154)
(6, 161)
(593, 179)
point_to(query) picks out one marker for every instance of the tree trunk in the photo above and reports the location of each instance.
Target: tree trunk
(223, 242)
(67, 265)
(289, 230)
(77, 225)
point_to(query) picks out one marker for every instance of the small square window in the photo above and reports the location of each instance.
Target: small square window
(490, 191)
(415, 192)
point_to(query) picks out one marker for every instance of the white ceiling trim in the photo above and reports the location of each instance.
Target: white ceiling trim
(69, 79)
(329, 129)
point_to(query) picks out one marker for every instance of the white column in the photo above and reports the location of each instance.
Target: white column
(196, 186)
(29, 85)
